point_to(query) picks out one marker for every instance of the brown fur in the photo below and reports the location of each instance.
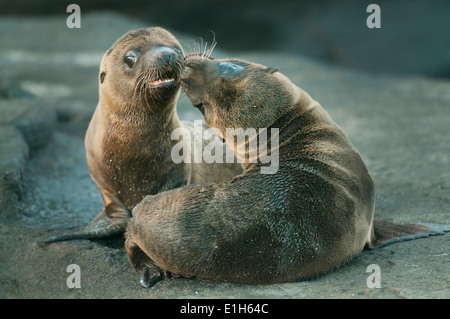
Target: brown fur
(128, 142)
(306, 219)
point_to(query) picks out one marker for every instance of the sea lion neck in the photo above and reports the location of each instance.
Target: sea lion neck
(294, 127)
(289, 122)
(258, 146)
(140, 117)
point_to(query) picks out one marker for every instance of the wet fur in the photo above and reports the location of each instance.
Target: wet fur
(315, 213)
(309, 217)
(128, 141)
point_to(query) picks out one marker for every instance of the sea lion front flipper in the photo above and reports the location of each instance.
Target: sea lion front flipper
(386, 233)
(100, 227)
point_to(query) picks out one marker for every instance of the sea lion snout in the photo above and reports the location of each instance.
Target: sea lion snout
(198, 78)
(169, 63)
(165, 58)
(165, 55)
(192, 82)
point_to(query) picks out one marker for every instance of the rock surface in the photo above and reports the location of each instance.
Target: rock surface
(49, 92)
(13, 156)
(32, 117)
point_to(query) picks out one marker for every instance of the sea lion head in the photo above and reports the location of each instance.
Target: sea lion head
(142, 68)
(233, 93)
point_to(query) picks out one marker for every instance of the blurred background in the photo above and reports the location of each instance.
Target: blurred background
(414, 38)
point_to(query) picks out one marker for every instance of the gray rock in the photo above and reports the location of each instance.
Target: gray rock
(34, 118)
(12, 89)
(13, 156)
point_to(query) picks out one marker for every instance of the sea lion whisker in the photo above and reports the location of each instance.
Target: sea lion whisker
(204, 44)
(186, 48)
(178, 67)
(201, 50)
(213, 45)
(191, 48)
(199, 47)
(138, 88)
(204, 49)
(141, 91)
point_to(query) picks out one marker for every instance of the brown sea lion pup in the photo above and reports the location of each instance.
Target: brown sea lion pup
(302, 219)
(128, 141)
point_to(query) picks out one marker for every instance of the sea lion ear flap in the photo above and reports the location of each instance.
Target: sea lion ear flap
(102, 76)
(271, 70)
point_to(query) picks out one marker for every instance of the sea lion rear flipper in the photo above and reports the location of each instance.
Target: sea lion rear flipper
(99, 228)
(386, 233)
(149, 273)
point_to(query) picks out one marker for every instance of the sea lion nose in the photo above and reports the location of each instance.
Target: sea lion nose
(166, 55)
(169, 57)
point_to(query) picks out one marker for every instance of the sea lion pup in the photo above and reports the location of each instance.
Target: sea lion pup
(128, 141)
(305, 218)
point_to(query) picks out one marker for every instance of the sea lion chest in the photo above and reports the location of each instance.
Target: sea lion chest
(135, 163)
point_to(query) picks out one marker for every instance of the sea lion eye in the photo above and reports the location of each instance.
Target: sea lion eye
(131, 57)
(229, 69)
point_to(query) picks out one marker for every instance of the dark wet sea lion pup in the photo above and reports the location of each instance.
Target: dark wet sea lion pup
(307, 218)
(128, 141)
